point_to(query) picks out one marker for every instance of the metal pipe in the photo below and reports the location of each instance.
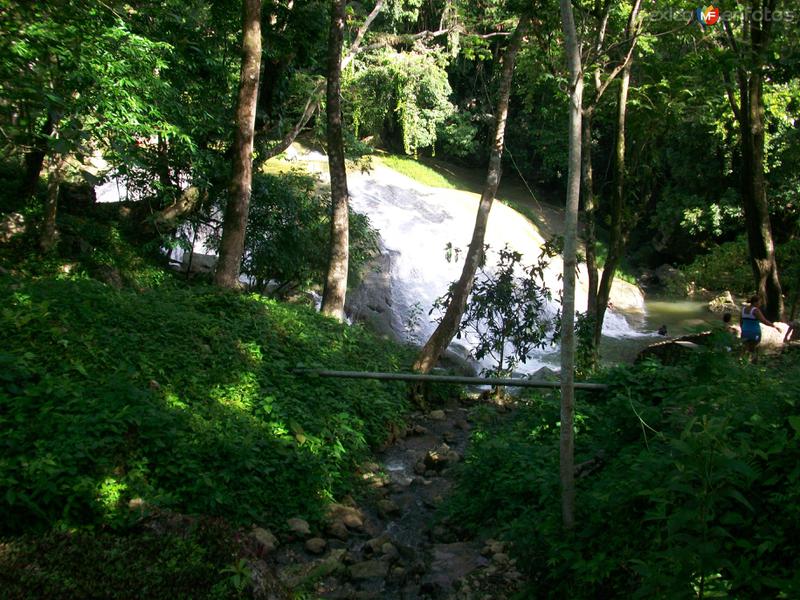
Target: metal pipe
(495, 381)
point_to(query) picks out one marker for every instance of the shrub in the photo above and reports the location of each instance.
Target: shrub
(288, 232)
(687, 488)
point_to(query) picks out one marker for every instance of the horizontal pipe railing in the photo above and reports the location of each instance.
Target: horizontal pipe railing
(497, 381)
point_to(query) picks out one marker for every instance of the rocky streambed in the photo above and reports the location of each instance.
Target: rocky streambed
(389, 544)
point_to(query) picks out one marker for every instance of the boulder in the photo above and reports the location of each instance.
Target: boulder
(437, 415)
(440, 457)
(626, 296)
(671, 280)
(195, 262)
(723, 303)
(338, 530)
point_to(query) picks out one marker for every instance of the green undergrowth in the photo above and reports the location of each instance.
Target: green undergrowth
(688, 484)
(141, 563)
(183, 398)
(727, 267)
(416, 170)
(101, 244)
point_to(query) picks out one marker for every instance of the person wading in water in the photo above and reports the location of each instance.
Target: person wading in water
(752, 317)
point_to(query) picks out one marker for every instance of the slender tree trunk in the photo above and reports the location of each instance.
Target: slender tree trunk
(618, 237)
(567, 445)
(587, 190)
(451, 320)
(336, 280)
(47, 239)
(235, 223)
(616, 245)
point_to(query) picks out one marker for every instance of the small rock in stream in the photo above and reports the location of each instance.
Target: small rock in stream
(316, 545)
(338, 530)
(387, 508)
(437, 415)
(369, 569)
(299, 527)
(265, 540)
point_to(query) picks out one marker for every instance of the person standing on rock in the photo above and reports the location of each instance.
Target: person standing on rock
(752, 317)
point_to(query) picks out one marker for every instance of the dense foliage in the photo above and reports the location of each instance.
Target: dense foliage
(687, 490)
(288, 232)
(181, 397)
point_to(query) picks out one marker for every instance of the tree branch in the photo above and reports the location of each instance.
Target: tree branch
(360, 35)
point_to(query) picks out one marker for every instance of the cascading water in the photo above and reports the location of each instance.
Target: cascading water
(416, 223)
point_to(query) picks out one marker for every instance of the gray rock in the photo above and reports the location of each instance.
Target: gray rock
(500, 558)
(390, 552)
(264, 538)
(723, 303)
(316, 545)
(338, 530)
(437, 415)
(350, 516)
(299, 527)
(387, 507)
(369, 569)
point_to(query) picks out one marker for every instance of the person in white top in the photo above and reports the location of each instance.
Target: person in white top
(751, 328)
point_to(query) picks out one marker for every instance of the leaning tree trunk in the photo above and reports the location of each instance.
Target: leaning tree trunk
(451, 320)
(616, 245)
(235, 224)
(336, 280)
(567, 444)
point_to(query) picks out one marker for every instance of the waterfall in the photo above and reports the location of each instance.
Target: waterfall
(416, 222)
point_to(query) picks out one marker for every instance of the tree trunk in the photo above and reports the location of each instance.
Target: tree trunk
(587, 190)
(47, 239)
(314, 99)
(749, 113)
(451, 320)
(616, 245)
(567, 444)
(235, 223)
(754, 200)
(34, 160)
(336, 280)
